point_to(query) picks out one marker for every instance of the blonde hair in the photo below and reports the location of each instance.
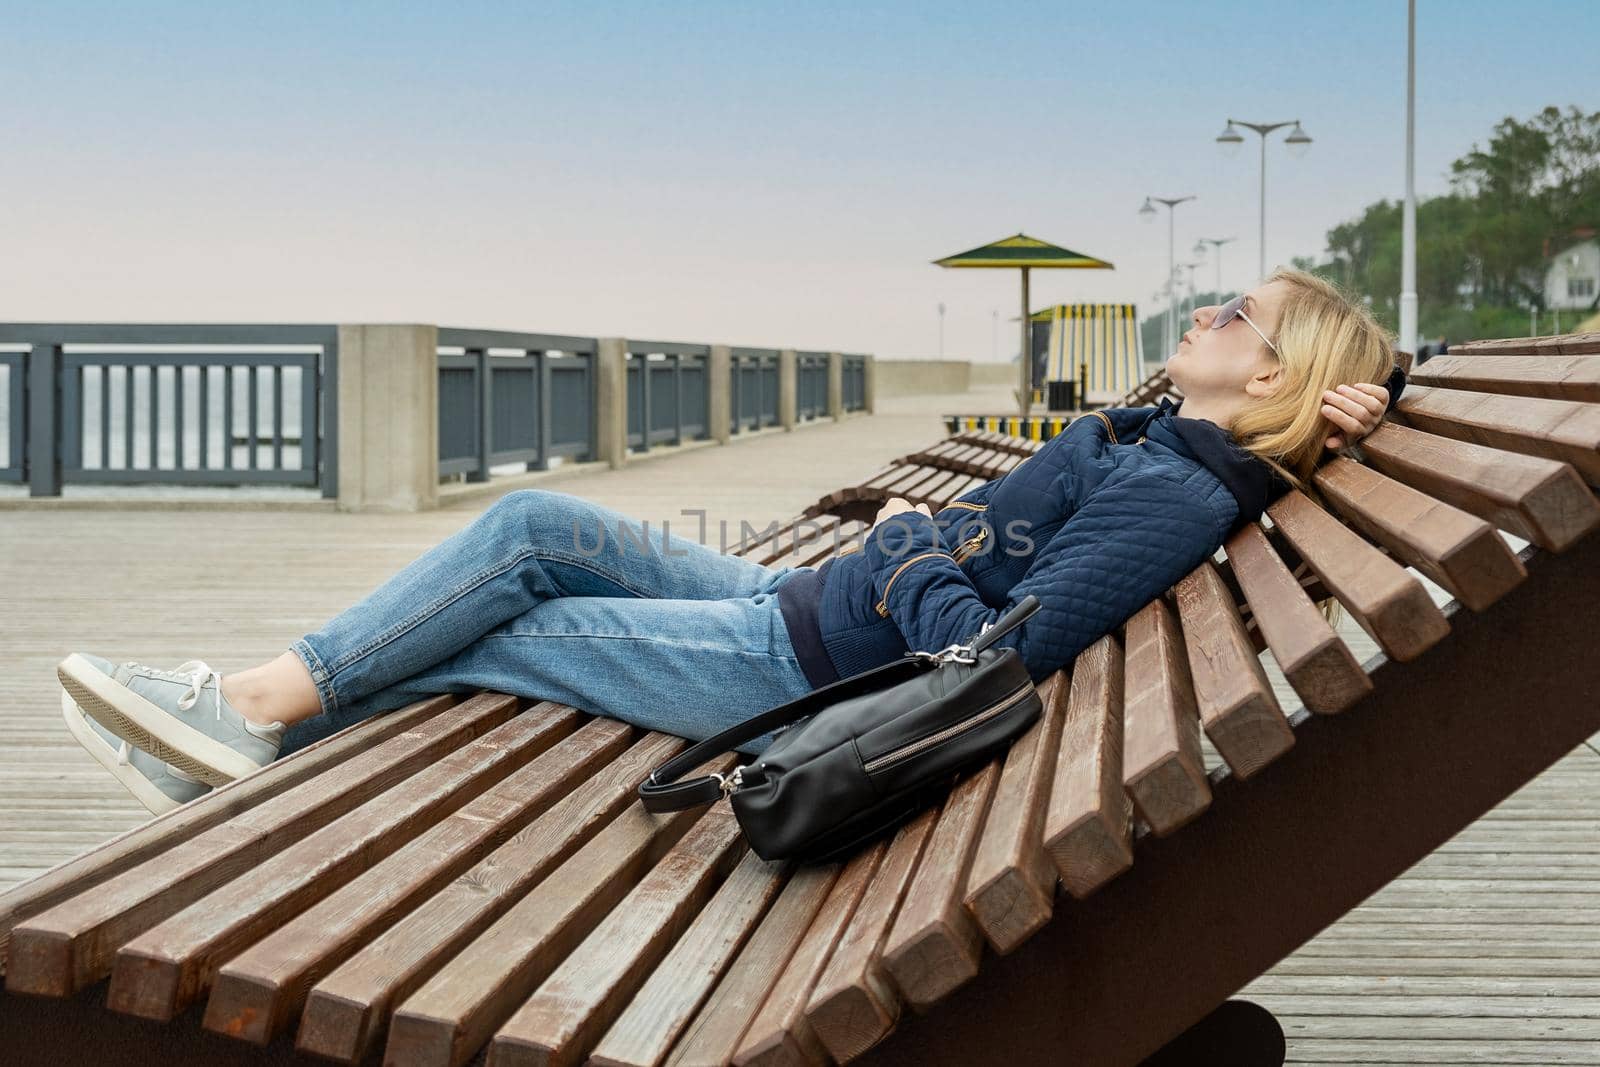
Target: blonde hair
(1324, 339)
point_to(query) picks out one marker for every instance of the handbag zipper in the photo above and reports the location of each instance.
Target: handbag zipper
(1112, 430)
(966, 504)
(907, 751)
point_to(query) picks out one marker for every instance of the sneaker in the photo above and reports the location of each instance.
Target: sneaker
(180, 716)
(154, 784)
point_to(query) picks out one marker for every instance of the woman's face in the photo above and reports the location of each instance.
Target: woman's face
(1232, 362)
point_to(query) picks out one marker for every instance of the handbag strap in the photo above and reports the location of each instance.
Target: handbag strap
(662, 792)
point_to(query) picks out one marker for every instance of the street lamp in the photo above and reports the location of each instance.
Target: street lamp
(1148, 214)
(941, 329)
(1231, 139)
(1408, 215)
(1217, 243)
(1188, 310)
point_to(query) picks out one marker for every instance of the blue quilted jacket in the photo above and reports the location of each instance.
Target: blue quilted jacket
(1103, 518)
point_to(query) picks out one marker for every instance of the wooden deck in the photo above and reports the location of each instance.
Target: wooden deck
(1487, 952)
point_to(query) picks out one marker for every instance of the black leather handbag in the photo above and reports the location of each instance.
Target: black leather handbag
(859, 756)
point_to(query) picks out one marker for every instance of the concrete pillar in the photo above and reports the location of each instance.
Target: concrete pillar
(611, 412)
(388, 418)
(719, 405)
(835, 385)
(869, 390)
(788, 386)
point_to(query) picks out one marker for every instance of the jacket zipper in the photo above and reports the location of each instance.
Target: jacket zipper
(905, 752)
(883, 605)
(970, 545)
(965, 549)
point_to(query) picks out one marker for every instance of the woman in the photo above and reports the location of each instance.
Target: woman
(549, 596)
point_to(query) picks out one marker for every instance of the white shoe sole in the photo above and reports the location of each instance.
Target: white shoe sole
(143, 789)
(145, 725)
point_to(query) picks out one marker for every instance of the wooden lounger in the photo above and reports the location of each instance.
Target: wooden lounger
(475, 876)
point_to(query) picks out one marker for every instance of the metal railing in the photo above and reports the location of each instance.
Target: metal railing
(669, 393)
(13, 374)
(811, 385)
(170, 404)
(514, 398)
(854, 385)
(258, 405)
(753, 388)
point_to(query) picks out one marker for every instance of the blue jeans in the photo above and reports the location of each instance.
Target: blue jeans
(552, 597)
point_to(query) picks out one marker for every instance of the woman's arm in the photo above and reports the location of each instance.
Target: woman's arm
(1357, 409)
(1130, 542)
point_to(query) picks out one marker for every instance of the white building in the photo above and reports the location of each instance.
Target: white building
(1572, 277)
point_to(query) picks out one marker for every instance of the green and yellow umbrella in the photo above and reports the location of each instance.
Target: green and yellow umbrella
(1023, 252)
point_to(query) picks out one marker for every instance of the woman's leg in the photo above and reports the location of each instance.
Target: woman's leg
(530, 546)
(685, 667)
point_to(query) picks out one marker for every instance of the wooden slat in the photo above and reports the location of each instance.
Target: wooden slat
(1538, 499)
(855, 1003)
(1313, 658)
(558, 1025)
(163, 832)
(1011, 887)
(780, 1033)
(1163, 768)
(768, 540)
(1555, 377)
(1237, 707)
(347, 1012)
(59, 951)
(1088, 827)
(1390, 604)
(897, 481)
(162, 971)
(1558, 344)
(714, 1035)
(812, 551)
(664, 1007)
(1557, 429)
(1459, 551)
(935, 490)
(934, 945)
(256, 991)
(803, 541)
(455, 1012)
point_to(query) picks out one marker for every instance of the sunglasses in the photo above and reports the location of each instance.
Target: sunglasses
(1235, 309)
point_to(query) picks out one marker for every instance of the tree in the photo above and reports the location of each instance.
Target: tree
(1481, 248)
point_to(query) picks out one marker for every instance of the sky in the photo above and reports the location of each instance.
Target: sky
(776, 175)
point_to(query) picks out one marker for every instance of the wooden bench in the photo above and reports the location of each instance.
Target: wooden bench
(467, 878)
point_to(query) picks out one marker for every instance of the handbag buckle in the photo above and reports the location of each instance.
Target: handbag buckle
(731, 782)
(951, 654)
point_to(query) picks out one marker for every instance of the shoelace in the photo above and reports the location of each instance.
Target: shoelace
(196, 673)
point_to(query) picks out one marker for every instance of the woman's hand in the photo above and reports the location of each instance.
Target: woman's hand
(1355, 409)
(895, 505)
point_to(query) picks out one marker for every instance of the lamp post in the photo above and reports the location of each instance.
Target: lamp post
(1148, 214)
(1189, 308)
(1408, 218)
(1230, 139)
(941, 330)
(1217, 243)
